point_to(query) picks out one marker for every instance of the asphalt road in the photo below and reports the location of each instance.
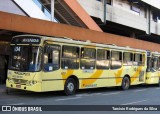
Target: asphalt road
(137, 95)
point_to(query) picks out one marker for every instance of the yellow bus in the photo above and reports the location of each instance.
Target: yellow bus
(40, 64)
(153, 68)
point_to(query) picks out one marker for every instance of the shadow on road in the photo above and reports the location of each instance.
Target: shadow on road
(28, 94)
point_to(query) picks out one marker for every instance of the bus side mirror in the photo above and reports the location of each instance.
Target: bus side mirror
(45, 58)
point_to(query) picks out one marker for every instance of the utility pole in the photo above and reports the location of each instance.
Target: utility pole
(149, 20)
(52, 11)
(105, 10)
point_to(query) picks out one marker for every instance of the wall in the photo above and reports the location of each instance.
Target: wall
(120, 12)
(155, 3)
(93, 7)
(31, 9)
(10, 7)
(25, 24)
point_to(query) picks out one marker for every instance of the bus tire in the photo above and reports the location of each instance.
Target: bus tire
(70, 87)
(125, 83)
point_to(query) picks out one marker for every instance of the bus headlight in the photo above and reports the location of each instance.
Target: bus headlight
(31, 82)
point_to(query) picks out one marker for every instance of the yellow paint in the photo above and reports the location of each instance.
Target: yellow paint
(67, 74)
(152, 78)
(118, 75)
(55, 80)
(90, 81)
(90, 46)
(136, 74)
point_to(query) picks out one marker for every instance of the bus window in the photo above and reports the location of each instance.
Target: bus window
(138, 59)
(143, 59)
(88, 56)
(116, 60)
(51, 57)
(103, 57)
(127, 58)
(159, 63)
(155, 63)
(70, 57)
(149, 64)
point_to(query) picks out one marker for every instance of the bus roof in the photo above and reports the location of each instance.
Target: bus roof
(88, 43)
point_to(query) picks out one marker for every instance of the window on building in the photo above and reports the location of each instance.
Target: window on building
(103, 57)
(70, 57)
(135, 8)
(51, 57)
(116, 59)
(127, 58)
(156, 16)
(88, 56)
(108, 2)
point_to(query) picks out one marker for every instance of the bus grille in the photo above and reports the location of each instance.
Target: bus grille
(20, 81)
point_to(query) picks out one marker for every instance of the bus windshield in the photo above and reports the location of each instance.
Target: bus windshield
(25, 58)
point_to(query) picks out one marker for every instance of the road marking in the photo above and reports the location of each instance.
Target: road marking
(111, 93)
(80, 95)
(88, 94)
(68, 99)
(140, 90)
(16, 104)
(157, 88)
(94, 94)
(134, 102)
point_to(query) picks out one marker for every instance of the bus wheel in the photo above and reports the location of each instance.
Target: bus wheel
(125, 83)
(70, 86)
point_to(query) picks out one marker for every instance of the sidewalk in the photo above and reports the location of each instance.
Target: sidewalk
(2, 88)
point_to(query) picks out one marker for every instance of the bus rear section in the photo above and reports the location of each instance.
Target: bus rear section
(153, 68)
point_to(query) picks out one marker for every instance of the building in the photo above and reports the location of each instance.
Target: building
(136, 22)
(132, 18)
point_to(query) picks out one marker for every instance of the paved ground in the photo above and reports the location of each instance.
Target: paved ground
(137, 95)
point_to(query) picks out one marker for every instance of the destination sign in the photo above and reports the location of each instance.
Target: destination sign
(26, 40)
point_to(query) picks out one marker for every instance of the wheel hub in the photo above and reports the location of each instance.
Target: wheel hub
(70, 86)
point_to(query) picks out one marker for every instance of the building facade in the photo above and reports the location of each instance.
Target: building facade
(132, 18)
(137, 19)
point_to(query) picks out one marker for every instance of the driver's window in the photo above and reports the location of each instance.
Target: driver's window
(51, 57)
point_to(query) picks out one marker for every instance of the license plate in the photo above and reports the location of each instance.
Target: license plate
(18, 86)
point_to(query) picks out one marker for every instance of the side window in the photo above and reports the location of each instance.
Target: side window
(51, 57)
(103, 57)
(143, 59)
(127, 58)
(159, 63)
(138, 59)
(88, 56)
(155, 63)
(116, 60)
(70, 57)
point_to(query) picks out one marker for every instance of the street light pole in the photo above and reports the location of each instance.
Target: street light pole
(104, 5)
(52, 11)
